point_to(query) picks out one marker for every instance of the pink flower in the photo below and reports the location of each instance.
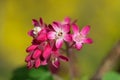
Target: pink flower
(79, 37)
(38, 26)
(56, 57)
(48, 39)
(59, 34)
(54, 63)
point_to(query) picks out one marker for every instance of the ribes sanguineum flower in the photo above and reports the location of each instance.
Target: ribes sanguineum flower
(80, 37)
(39, 53)
(48, 39)
(38, 27)
(56, 57)
(60, 34)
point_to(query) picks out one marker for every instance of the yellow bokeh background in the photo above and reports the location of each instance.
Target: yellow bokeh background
(15, 22)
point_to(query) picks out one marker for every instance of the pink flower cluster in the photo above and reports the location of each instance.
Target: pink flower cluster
(48, 41)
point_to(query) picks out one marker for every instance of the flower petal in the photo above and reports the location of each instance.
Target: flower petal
(75, 28)
(35, 23)
(41, 21)
(78, 46)
(28, 58)
(54, 48)
(44, 62)
(37, 63)
(51, 35)
(47, 51)
(63, 58)
(30, 33)
(50, 27)
(65, 28)
(31, 48)
(56, 63)
(52, 68)
(36, 54)
(85, 30)
(29, 65)
(68, 38)
(59, 43)
(88, 40)
(67, 20)
(42, 37)
(56, 27)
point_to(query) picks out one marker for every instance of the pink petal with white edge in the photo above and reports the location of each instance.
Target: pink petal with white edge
(56, 27)
(85, 30)
(78, 46)
(56, 63)
(31, 48)
(51, 35)
(68, 38)
(47, 51)
(75, 28)
(65, 28)
(59, 43)
(36, 54)
(35, 22)
(37, 63)
(63, 58)
(88, 41)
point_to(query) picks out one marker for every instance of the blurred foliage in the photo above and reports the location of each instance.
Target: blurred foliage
(22, 73)
(112, 75)
(85, 78)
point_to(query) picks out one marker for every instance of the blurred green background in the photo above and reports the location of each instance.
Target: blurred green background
(15, 22)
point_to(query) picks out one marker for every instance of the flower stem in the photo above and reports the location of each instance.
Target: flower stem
(71, 68)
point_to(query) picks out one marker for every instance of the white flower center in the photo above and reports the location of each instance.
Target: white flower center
(36, 30)
(59, 34)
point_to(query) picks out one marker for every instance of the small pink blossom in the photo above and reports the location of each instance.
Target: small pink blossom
(38, 26)
(56, 57)
(59, 34)
(79, 37)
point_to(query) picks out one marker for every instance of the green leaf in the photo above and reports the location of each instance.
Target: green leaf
(112, 75)
(42, 73)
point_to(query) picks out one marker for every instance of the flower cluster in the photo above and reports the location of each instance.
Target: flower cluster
(48, 41)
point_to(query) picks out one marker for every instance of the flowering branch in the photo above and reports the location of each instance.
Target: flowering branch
(48, 41)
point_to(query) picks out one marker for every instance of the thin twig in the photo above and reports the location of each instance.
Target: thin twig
(108, 63)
